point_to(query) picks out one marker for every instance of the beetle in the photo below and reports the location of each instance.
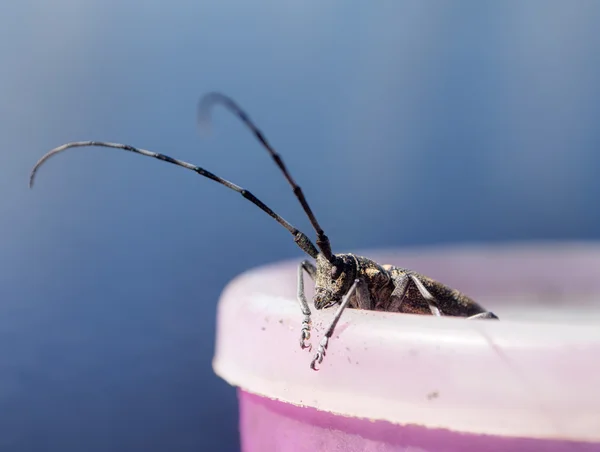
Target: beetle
(345, 280)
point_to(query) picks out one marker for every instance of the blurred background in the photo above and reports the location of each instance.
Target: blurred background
(406, 123)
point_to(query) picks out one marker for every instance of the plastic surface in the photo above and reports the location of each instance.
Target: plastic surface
(268, 425)
(535, 374)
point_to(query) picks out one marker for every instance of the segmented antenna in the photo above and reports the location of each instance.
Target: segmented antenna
(203, 115)
(299, 237)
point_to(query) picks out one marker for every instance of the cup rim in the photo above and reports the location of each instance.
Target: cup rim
(515, 377)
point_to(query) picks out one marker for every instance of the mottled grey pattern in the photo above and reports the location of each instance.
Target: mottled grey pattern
(360, 283)
(382, 280)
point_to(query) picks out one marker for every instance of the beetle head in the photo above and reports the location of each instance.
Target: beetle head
(333, 279)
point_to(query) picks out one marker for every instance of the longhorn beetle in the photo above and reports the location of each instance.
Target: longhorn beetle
(346, 280)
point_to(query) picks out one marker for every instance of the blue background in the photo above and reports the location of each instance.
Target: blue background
(406, 123)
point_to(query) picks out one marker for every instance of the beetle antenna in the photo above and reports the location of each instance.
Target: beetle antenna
(203, 114)
(299, 237)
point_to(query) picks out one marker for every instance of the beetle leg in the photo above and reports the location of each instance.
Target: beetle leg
(363, 298)
(400, 289)
(431, 301)
(329, 331)
(305, 266)
(483, 315)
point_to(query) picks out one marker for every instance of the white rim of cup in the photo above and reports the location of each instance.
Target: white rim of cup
(520, 377)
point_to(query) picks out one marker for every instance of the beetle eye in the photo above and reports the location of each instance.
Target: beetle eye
(335, 272)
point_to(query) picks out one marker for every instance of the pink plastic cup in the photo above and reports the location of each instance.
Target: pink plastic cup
(399, 382)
